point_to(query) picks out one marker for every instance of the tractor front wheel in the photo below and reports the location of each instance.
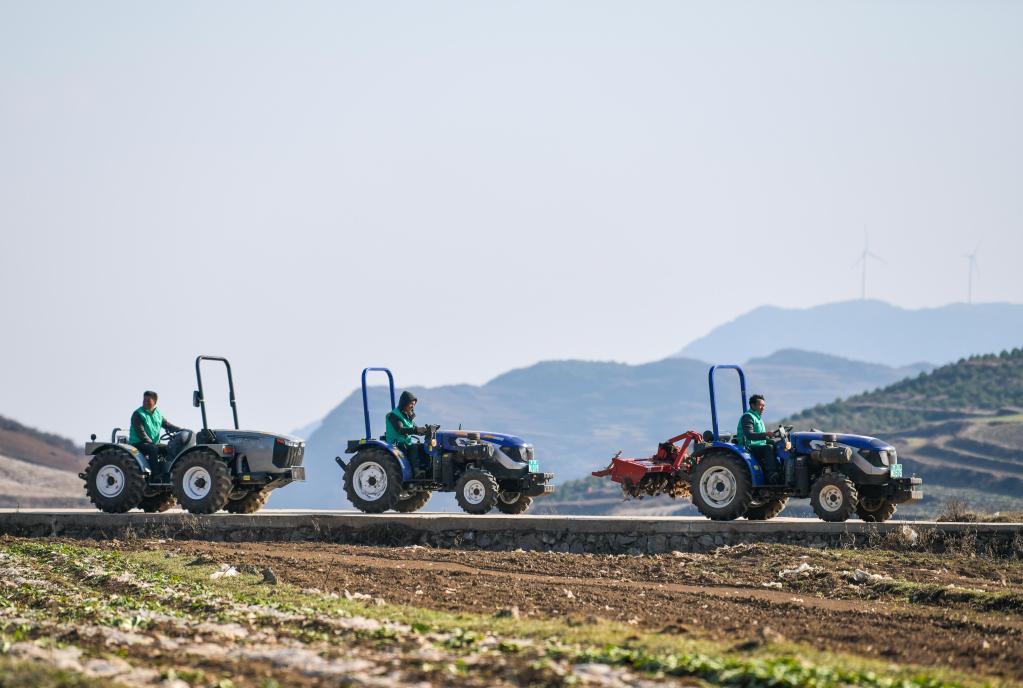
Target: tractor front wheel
(158, 503)
(476, 491)
(513, 502)
(413, 502)
(114, 481)
(721, 487)
(833, 497)
(767, 510)
(249, 503)
(372, 481)
(875, 510)
(202, 482)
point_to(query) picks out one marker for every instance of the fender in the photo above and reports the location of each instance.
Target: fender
(93, 448)
(218, 449)
(755, 471)
(404, 465)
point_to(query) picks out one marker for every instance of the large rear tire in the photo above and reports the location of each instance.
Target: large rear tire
(202, 482)
(767, 510)
(875, 510)
(833, 497)
(158, 503)
(372, 481)
(249, 503)
(414, 502)
(476, 491)
(113, 481)
(721, 487)
(513, 502)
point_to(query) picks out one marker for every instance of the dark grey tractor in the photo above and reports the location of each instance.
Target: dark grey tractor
(205, 471)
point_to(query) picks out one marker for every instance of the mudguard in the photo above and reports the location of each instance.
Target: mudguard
(92, 448)
(404, 464)
(755, 471)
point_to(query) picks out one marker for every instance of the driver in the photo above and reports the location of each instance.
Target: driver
(400, 428)
(752, 435)
(147, 424)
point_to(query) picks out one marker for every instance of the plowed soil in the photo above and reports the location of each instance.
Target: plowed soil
(956, 611)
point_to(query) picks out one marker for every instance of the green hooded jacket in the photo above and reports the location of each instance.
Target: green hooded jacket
(758, 426)
(153, 423)
(393, 437)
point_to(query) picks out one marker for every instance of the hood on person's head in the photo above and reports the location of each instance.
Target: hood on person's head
(404, 400)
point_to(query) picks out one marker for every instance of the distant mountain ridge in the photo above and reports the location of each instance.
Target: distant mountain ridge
(578, 413)
(21, 442)
(866, 330)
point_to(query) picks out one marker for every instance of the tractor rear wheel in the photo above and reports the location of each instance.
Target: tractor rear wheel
(476, 491)
(721, 487)
(513, 502)
(413, 502)
(875, 510)
(248, 503)
(114, 481)
(833, 497)
(372, 481)
(158, 503)
(767, 510)
(202, 482)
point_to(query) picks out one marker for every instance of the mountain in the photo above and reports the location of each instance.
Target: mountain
(578, 413)
(38, 469)
(866, 331)
(959, 427)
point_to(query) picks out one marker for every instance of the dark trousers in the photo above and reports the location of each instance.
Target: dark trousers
(417, 456)
(764, 453)
(153, 454)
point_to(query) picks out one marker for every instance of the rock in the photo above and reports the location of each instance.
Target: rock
(770, 635)
(772, 584)
(803, 569)
(269, 576)
(508, 613)
(225, 571)
(569, 594)
(201, 560)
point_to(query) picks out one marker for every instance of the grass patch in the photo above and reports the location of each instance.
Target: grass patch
(17, 674)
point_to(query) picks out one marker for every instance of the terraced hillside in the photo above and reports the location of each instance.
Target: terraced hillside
(960, 427)
(38, 469)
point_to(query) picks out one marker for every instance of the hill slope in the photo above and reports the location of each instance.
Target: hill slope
(960, 427)
(577, 413)
(866, 331)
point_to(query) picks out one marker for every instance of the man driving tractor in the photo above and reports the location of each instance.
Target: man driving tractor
(752, 434)
(401, 429)
(147, 424)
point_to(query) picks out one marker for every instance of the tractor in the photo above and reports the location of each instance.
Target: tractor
(483, 469)
(203, 471)
(842, 474)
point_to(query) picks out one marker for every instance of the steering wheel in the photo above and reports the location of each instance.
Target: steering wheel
(167, 434)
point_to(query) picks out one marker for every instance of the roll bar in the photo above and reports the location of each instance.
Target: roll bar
(365, 398)
(713, 401)
(198, 400)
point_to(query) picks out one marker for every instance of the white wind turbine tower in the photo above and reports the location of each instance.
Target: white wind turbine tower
(971, 268)
(862, 261)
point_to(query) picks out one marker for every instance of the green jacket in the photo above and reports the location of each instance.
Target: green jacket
(152, 423)
(758, 426)
(394, 436)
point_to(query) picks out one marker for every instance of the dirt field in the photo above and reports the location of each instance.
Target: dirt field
(951, 619)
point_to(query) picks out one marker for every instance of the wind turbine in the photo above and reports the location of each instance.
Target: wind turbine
(971, 267)
(862, 260)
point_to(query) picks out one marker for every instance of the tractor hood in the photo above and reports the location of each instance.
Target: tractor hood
(449, 439)
(229, 436)
(801, 441)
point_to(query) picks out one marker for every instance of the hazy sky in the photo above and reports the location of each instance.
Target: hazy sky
(456, 189)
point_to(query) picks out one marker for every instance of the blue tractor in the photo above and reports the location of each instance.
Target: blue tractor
(483, 469)
(842, 474)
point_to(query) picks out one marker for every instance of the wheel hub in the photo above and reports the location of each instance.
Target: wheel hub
(831, 497)
(197, 483)
(370, 481)
(718, 487)
(110, 481)
(474, 491)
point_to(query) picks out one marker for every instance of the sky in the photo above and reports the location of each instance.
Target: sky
(455, 189)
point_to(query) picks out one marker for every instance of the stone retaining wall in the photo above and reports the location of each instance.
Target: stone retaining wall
(552, 533)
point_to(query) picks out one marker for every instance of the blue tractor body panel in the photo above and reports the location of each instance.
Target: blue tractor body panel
(802, 441)
(448, 439)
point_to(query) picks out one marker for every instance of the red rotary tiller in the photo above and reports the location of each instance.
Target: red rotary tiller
(666, 472)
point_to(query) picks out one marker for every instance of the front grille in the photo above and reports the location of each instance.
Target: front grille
(286, 457)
